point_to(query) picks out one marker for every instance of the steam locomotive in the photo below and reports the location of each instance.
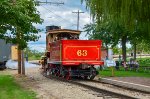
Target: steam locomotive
(67, 56)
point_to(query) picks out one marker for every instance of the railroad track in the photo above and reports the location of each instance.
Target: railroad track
(99, 92)
(118, 86)
(104, 92)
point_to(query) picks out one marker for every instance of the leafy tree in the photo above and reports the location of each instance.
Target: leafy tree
(95, 32)
(33, 54)
(116, 50)
(128, 13)
(125, 16)
(143, 47)
(16, 23)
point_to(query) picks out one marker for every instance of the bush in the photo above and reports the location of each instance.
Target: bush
(144, 61)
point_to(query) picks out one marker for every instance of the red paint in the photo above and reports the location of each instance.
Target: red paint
(74, 52)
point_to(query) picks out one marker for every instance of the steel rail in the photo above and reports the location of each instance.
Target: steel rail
(102, 92)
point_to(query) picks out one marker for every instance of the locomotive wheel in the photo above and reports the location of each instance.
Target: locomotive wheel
(48, 72)
(85, 77)
(62, 72)
(68, 74)
(58, 73)
(92, 73)
(55, 70)
(92, 77)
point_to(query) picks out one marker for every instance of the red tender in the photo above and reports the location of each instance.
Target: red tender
(75, 52)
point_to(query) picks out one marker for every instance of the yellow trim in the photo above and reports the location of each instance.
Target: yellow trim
(77, 61)
(81, 46)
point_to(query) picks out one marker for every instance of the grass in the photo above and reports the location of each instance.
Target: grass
(34, 58)
(9, 89)
(144, 63)
(122, 73)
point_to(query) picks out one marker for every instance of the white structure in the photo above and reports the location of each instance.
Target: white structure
(110, 54)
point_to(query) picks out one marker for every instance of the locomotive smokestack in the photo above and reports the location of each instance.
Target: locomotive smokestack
(52, 27)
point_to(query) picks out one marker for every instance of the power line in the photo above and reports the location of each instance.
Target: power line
(47, 2)
(78, 18)
(38, 3)
(63, 7)
(57, 15)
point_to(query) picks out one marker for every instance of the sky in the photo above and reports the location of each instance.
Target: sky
(60, 15)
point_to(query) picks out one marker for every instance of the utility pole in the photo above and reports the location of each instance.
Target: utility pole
(78, 18)
(47, 2)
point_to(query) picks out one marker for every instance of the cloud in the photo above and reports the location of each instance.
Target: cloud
(39, 47)
(60, 16)
(41, 39)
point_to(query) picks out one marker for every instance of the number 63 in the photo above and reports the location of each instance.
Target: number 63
(82, 52)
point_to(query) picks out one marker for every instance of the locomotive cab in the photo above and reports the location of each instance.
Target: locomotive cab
(55, 33)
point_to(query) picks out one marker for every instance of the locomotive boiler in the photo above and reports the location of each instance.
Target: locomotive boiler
(68, 57)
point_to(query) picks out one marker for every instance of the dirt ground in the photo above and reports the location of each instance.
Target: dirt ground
(47, 88)
(51, 89)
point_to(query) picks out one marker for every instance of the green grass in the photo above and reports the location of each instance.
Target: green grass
(34, 58)
(122, 73)
(9, 89)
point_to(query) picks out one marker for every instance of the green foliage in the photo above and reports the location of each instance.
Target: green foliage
(99, 33)
(33, 54)
(9, 89)
(16, 22)
(116, 50)
(122, 73)
(90, 29)
(144, 61)
(125, 19)
(126, 13)
(143, 46)
(129, 14)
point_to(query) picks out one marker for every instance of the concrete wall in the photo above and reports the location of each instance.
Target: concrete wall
(5, 51)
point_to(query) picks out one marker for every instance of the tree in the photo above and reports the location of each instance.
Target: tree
(128, 15)
(16, 22)
(33, 54)
(116, 50)
(100, 33)
(143, 47)
(18, 18)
